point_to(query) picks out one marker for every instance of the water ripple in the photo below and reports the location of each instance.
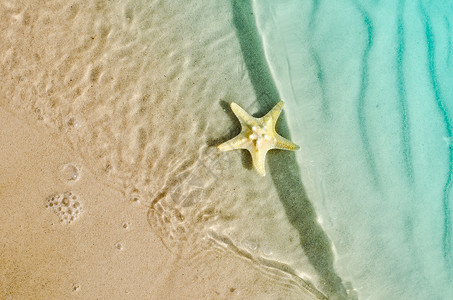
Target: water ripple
(406, 140)
(362, 96)
(443, 110)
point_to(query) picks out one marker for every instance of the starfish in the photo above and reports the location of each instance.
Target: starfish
(258, 136)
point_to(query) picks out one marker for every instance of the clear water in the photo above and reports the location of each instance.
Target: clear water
(367, 87)
(368, 98)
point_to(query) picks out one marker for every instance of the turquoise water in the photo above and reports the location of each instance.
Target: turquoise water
(368, 95)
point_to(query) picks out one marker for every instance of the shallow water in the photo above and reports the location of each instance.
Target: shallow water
(368, 99)
(140, 90)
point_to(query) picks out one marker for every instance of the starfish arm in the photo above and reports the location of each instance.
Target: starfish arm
(238, 142)
(242, 115)
(284, 144)
(274, 113)
(259, 160)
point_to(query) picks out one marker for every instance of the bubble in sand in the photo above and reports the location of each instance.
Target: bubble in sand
(69, 172)
(66, 205)
(73, 123)
(119, 246)
(75, 287)
(135, 199)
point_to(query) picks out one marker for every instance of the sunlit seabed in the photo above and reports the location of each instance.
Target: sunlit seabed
(367, 87)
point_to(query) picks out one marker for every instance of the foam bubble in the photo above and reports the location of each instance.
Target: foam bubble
(66, 205)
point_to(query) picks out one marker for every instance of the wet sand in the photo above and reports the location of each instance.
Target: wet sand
(121, 105)
(110, 252)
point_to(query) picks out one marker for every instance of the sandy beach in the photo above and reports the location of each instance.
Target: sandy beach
(110, 252)
(111, 185)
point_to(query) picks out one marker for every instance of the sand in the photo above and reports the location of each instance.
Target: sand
(110, 252)
(121, 104)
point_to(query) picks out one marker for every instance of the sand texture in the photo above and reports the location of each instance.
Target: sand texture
(114, 109)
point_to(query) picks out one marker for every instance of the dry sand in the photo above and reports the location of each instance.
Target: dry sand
(131, 97)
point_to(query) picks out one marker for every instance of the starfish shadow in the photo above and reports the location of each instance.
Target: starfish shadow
(283, 166)
(229, 133)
